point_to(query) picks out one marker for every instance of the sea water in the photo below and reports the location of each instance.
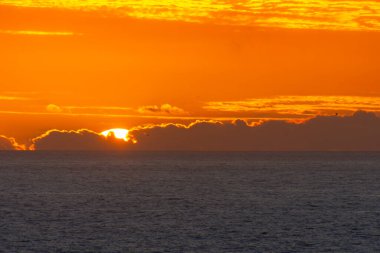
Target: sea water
(189, 202)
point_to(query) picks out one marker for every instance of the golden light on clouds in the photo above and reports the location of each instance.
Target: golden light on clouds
(327, 14)
(118, 133)
(215, 60)
(299, 105)
(54, 108)
(8, 143)
(160, 109)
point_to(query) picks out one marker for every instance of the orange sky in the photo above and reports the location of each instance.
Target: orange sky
(105, 64)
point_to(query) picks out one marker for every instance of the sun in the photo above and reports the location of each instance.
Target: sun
(119, 133)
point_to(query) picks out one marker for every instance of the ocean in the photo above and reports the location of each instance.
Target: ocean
(189, 202)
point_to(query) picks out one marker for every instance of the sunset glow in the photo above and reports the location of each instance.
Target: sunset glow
(100, 64)
(235, 124)
(118, 133)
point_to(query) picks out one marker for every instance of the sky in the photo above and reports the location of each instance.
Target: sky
(169, 68)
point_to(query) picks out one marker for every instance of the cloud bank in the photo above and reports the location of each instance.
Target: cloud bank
(361, 131)
(7, 143)
(82, 139)
(358, 132)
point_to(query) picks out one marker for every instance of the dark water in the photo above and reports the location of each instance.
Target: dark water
(189, 202)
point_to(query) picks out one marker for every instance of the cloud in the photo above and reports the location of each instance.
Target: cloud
(99, 108)
(162, 109)
(298, 106)
(12, 98)
(361, 131)
(37, 33)
(54, 108)
(82, 139)
(7, 143)
(327, 14)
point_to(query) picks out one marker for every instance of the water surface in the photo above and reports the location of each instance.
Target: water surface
(189, 202)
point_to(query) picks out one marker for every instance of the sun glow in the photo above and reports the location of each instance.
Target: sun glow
(118, 133)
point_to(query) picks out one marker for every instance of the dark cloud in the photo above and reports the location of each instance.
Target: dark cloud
(7, 143)
(360, 131)
(82, 139)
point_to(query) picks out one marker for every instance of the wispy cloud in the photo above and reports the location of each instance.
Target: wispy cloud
(13, 98)
(37, 33)
(112, 110)
(270, 108)
(121, 115)
(150, 111)
(160, 109)
(326, 14)
(53, 108)
(305, 106)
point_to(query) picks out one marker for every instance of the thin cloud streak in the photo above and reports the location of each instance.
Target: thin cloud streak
(13, 98)
(299, 105)
(172, 117)
(38, 33)
(71, 107)
(164, 109)
(273, 108)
